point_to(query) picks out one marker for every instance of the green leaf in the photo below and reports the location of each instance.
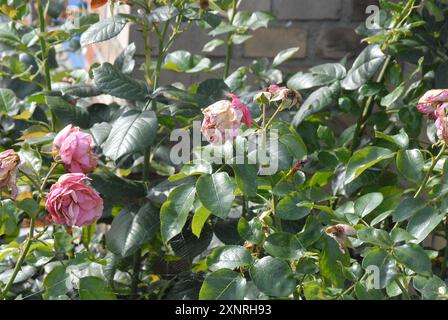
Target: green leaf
(131, 229)
(431, 288)
(229, 257)
(283, 245)
(223, 284)
(284, 55)
(30, 160)
(66, 113)
(401, 139)
(212, 45)
(184, 61)
(287, 208)
(384, 262)
(199, 219)
(316, 102)
(30, 206)
(295, 145)
(133, 131)
(125, 61)
(8, 102)
(364, 67)
(407, 208)
(174, 212)
(375, 236)
(413, 257)
(55, 283)
(116, 189)
(251, 231)
(364, 159)
(410, 164)
(111, 80)
(94, 288)
(161, 14)
(423, 223)
(367, 203)
(8, 218)
(246, 178)
(216, 193)
(331, 262)
(103, 30)
(273, 277)
(392, 97)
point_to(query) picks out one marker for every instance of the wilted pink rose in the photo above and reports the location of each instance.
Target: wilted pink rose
(74, 148)
(72, 202)
(442, 122)
(9, 160)
(340, 232)
(432, 100)
(222, 120)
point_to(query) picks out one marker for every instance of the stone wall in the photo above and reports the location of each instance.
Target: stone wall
(323, 29)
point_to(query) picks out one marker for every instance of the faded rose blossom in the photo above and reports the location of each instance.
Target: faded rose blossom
(9, 160)
(74, 148)
(72, 202)
(286, 95)
(339, 233)
(432, 100)
(441, 123)
(222, 120)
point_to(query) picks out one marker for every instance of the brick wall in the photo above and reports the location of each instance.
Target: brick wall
(323, 29)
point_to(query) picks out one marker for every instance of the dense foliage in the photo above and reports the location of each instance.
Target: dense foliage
(354, 208)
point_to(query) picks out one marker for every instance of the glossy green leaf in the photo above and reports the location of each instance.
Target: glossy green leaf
(367, 203)
(273, 277)
(174, 212)
(410, 164)
(94, 288)
(216, 193)
(111, 80)
(413, 257)
(131, 229)
(283, 245)
(364, 67)
(133, 132)
(223, 284)
(103, 30)
(375, 236)
(364, 159)
(229, 257)
(379, 260)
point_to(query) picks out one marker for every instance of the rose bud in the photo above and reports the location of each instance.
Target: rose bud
(339, 233)
(431, 100)
(9, 160)
(288, 97)
(72, 202)
(222, 120)
(75, 150)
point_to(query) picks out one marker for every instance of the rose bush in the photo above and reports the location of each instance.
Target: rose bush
(335, 185)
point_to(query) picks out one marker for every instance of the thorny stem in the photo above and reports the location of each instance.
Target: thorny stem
(20, 261)
(43, 44)
(428, 174)
(368, 106)
(229, 43)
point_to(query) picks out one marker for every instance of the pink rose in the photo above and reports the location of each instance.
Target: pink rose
(431, 100)
(441, 122)
(72, 202)
(9, 160)
(222, 120)
(75, 149)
